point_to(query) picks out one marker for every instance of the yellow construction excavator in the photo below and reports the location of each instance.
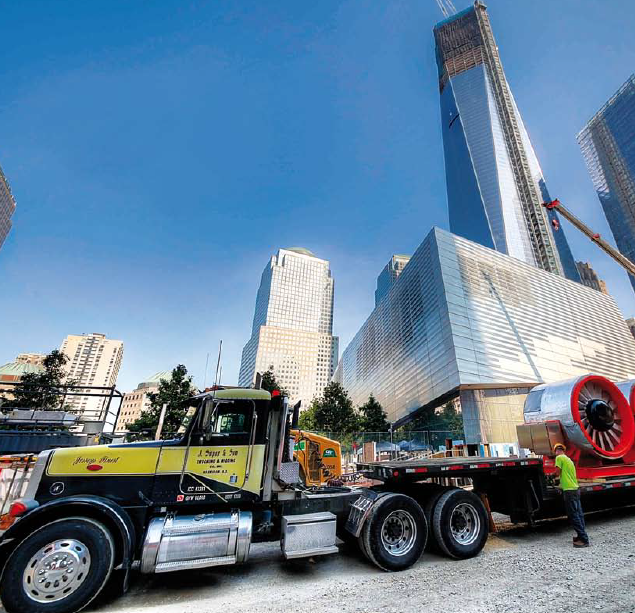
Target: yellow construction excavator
(320, 458)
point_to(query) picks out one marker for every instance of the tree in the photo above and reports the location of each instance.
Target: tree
(307, 419)
(270, 384)
(43, 390)
(373, 416)
(176, 393)
(452, 420)
(334, 411)
(437, 424)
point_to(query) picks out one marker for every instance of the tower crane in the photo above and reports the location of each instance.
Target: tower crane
(623, 261)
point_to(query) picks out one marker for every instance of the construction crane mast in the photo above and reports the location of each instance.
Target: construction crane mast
(624, 262)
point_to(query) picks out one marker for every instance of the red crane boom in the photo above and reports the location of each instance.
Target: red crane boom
(622, 260)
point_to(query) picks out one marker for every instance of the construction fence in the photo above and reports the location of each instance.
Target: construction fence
(378, 446)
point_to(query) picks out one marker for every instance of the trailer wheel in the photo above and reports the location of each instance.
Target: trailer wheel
(59, 568)
(460, 524)
(428, 509)
(395, 533)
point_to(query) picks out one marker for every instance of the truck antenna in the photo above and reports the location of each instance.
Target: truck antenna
(220, 351)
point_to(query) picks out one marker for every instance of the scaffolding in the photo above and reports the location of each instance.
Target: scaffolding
(541, 238)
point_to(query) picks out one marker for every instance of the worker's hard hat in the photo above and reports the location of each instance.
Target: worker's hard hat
(559, 446)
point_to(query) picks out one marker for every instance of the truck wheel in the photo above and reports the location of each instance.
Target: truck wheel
(59, 568)
(428, 509)
(395, 533)
(459, 524)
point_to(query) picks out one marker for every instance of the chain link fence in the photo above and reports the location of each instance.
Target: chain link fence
(377, 446)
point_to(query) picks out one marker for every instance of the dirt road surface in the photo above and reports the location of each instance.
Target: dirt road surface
(520, 570)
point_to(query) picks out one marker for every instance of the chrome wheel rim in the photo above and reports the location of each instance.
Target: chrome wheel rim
(398, 533)
(465, 524)
(56, 571)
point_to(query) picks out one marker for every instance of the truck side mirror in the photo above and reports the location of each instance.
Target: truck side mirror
(207, 419)
(296, 415)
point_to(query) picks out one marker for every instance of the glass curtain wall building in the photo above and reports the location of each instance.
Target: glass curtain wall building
(608, 147)
(389, 275)
(7, 207)
(292, 331)
(494, 182)
(462, 320)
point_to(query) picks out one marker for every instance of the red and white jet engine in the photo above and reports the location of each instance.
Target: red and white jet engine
(592, 416)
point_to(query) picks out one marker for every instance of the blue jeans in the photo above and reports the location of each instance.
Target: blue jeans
(574, 512)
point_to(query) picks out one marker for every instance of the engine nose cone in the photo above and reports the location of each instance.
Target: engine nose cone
(600, 415)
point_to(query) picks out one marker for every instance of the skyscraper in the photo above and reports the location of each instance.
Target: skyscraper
(7, 207)
(292, 331)
(389, 275)
(494, 182)
(590, 278)
(608, 147)
(93, 360)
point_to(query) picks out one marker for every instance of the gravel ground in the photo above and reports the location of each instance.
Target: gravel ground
(520, 570)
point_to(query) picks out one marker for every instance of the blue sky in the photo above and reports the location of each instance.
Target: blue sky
(160, 152)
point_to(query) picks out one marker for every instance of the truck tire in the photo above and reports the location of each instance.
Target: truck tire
(395, 532)
(459, 524)
(59, 568)
(428, 508)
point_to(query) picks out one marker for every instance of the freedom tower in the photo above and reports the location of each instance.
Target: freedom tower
(494, 182)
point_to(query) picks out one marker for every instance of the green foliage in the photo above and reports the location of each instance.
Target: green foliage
(334, 411)
(307, 419)
(373, 416)
(176, 393)
(42, 390)
(270, 384)
(447, 420)
(453, 420)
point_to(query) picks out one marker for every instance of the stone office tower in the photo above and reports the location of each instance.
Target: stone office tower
(292, 332)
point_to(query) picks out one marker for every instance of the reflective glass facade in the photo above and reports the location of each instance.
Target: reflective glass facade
(494, 182)
(462, 316)
(7, 207)
(293, 324)
(608, 146)
(389, 275)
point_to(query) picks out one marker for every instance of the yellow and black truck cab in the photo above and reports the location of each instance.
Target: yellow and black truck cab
(195, 501)
(219, 458)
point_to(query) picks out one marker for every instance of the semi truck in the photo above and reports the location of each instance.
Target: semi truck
(92, 515)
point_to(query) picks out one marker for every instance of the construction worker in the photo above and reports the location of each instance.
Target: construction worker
(565, 469)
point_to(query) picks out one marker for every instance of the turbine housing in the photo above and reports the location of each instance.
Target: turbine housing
(595, 417)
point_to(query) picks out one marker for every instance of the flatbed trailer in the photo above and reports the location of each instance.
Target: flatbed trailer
(512, 486)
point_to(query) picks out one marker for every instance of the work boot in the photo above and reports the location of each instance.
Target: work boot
(580, 543)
